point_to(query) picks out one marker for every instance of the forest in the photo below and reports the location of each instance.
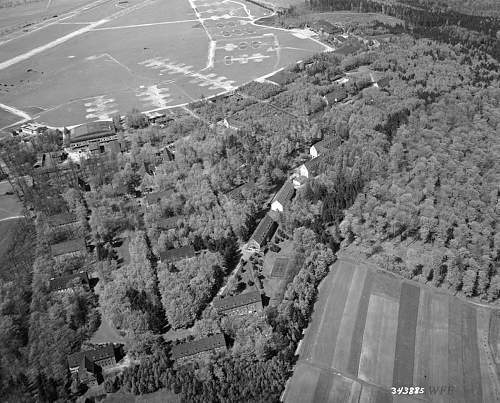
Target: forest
(408, 205)
(436, 20)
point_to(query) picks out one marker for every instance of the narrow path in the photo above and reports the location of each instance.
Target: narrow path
(50, 45)
(12, 218)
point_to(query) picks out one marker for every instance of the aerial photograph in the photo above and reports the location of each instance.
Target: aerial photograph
(250, 201)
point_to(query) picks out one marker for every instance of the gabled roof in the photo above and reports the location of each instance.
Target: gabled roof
(169, 223)
(227, 303)
(285, 194)
(73, 245)
(336, 95)
(264, 229)
(237, 192)
(92, 130)
(173, 255)
(326, 144)
(194, 347)
(316, 165)
(61, 219)
(282, 77)
(62, 282)
(94, 355)
(157, 196)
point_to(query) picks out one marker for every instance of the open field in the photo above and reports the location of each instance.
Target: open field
(9, 204)
(371, 331)
(24, 17)
(148, 54)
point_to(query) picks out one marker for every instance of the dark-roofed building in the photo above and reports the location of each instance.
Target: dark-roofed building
(239, 304)
(238, 193)
(87, 365)
(73, 247)
(92, 134)
(323, 146)
(337, 95)
(62, 220)
(283, 197)
(263, 233)
(214, 343)
(173, 255)
(282, 77)
(169, 223)
(63, 283)
(156, 197)
(315, 166)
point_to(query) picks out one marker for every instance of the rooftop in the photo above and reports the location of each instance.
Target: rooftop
(285, 194)
(194, 347)
(264, 229)
(73, 245)
(169, 222)
(61, 219)
(282, 77)
(227, 303)
(326, 144)
(97, 354)
(173, 255)
(157, 196)
(92, 129)
(62, 282)
(336, 95)
(238, 193)
(315, 165)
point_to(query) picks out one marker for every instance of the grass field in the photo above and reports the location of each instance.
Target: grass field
(148, 54)
(372, 331)
(9, 204)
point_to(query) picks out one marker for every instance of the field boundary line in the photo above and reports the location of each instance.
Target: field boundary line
(352, 258)
(211, 49)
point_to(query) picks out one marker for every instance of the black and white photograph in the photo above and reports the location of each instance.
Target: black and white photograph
(249, 201)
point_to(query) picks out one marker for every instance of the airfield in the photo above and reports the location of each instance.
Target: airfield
(110, 56)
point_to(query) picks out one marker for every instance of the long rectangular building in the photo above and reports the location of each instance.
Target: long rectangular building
(217, 342)
(239, 304)
(263, 232)
(173, 255)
